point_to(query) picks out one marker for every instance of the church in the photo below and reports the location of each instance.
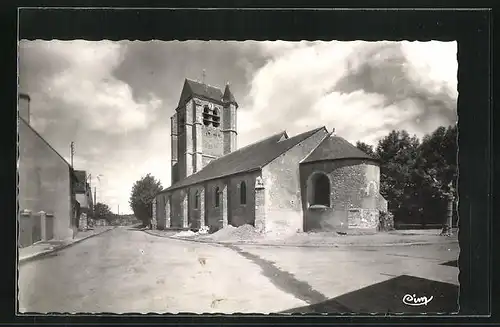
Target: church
(313, 181)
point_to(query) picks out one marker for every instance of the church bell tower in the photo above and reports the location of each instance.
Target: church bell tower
(203, 128)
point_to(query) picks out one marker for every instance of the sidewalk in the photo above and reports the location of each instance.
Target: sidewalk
(323, 239)
(42, 248)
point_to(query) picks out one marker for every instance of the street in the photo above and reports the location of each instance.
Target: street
(129, 271)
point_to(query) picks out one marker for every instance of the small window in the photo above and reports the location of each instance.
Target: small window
(243, 193)
(196, 200)
(217, 197)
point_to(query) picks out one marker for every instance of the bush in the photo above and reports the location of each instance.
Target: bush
(386, 221)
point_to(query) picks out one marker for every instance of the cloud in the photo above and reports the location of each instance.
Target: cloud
(362, 89)
(114, 99)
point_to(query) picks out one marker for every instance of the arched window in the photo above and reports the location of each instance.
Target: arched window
(196, 200)
(243, 193)
(217, 197)
(206, 115)
(319, 190)
(216, 117)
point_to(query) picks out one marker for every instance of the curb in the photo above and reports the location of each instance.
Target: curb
(301, 245)
(59, 248)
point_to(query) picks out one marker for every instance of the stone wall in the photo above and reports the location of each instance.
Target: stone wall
(354, 191)
(215, 214)
(176, 219)
(212, 138)
(196, 214)
(230, 128)
(282, 184)
(241, 214)
(160, 211)
(44, 180)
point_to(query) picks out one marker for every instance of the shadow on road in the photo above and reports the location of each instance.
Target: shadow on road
(282, 279)
(387, 297)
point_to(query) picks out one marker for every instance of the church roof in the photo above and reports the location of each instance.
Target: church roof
(334, 148)
(249, 158)
(228, 96)
(203, 90)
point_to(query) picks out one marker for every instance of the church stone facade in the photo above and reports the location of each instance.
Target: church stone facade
(314, 181)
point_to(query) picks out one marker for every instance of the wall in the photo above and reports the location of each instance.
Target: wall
(354, 194)
(230, 129)
(174, 148)
(194, 213)
(205, 160)
(176, 209)
(160, 210)
(241, 214)
(212, 141)
(282, 187)
(213, 214)
(83, 200)
(44, 180)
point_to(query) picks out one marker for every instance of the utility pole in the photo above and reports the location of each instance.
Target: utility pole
(95, 195)
(72, 146)
(118, 210)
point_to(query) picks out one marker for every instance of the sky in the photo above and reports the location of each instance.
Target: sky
(115, 99)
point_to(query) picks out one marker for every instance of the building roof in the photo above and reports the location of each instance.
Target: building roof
(195, 88)
(334, 148)
(249, 158)
(228, 96)
(25, 123)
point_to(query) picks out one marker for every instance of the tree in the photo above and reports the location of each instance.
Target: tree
(366, 148)
(437, 171)
(142, 196)
(102, 211)
(398, 153)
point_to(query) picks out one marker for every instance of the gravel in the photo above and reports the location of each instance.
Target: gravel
(231, 233)
(187, 233)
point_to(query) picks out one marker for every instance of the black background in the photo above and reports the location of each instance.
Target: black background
(471, 28)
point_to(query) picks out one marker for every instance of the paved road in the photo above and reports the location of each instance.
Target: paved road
(126, 270)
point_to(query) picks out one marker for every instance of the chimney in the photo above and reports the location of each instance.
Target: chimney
(24, 106)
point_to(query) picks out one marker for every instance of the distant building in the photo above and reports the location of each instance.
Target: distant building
(47, 203)
(83, 192)
(83, 195)
(311, 181)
